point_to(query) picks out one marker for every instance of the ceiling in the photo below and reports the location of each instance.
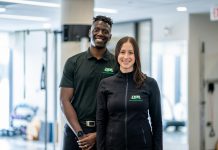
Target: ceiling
(127, 10)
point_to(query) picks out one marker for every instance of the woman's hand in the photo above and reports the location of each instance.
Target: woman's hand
(87, 141)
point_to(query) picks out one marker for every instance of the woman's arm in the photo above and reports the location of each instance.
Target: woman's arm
(156, 116)
(101, 117)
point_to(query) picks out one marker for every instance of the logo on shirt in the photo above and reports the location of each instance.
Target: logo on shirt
(135, 98)
(108, 70)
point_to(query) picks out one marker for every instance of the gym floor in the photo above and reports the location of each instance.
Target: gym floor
(172, 140)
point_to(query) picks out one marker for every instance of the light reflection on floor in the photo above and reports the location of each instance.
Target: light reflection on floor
(172, 141)
(16, 143)
(175, 140)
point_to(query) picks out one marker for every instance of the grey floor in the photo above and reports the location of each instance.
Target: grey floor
(172, 141)
(175, 140)
(17, 143)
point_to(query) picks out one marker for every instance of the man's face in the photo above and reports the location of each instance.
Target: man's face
(100, 34)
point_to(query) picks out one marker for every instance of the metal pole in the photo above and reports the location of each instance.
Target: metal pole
(55, 90)
(202, 98)
(150, 46)
(46, 70)
(11, 88)
(24, 65)
(46, 88)
(56, 85)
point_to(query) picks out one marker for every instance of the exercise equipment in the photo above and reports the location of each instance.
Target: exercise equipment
(210, 84)
(19, 118)
(211, 104)
(173, 122)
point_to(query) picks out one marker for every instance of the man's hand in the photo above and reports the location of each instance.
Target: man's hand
(87, 141)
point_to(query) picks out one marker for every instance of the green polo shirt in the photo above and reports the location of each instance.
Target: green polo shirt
(83, 72)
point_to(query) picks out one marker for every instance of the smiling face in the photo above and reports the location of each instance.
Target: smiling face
(126, 57)
(100, 34)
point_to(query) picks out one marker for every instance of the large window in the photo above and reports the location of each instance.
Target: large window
(169, 67)
(4, 80)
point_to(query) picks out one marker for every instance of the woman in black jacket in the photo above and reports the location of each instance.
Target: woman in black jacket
(125, 102)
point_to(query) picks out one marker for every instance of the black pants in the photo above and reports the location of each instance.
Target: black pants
(70, 139)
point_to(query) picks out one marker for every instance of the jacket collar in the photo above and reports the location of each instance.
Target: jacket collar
(124, 75)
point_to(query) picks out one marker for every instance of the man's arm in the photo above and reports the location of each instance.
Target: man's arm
(88, 140)
(69, 112)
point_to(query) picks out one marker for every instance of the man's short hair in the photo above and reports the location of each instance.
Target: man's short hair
(103, 18)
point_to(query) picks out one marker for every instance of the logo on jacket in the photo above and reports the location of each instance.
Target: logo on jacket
(108, 70)
(135, 98)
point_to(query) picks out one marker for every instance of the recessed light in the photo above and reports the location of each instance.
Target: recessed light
(181, 8)
(105, 10)
(2, 9)
(35, 3)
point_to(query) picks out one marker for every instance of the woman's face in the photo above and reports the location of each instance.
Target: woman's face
(126, 57)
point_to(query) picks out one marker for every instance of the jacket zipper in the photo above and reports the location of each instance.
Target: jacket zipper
(126, 111)
(143, 132)
(111, 135)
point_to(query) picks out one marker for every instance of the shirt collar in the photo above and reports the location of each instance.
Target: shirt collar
(105, 57)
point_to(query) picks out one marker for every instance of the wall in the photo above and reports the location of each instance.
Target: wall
(177, 25)
(201, 29)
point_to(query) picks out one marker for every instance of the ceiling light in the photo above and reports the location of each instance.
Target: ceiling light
(30, 18)
(181, 8)
(105, 10)
(47, 25)
(2, 9)
(35, 3)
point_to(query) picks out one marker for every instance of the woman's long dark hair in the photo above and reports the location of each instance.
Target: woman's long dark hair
(138, 76)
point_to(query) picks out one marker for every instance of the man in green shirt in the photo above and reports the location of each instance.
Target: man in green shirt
(81, 76)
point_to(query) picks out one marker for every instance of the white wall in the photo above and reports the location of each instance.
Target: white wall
(176, 23)
(201, 29)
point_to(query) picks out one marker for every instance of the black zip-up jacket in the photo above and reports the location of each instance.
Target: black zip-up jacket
(123, 111)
